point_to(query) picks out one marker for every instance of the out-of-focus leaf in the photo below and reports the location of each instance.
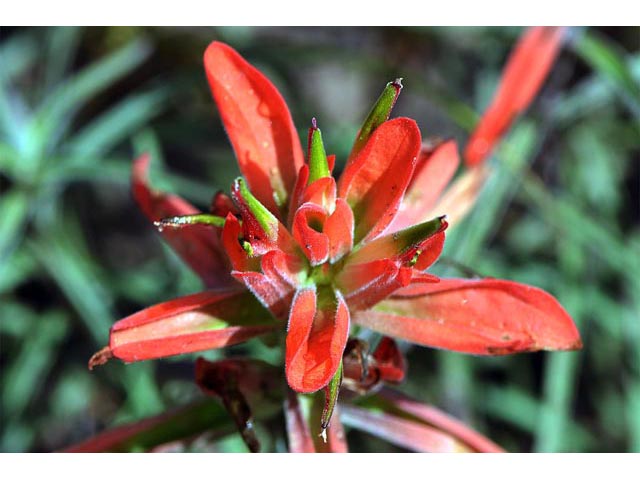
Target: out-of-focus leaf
(24, 378)
(14, 206)
(118, 123)
(591, 95)
(53, 116)
(73, 392)
(604, 57)
(16, 437)
(8, 158)
(560, 383)
(517, 407)
(62, 255)
(633, 415)
(17, 54)
(584, 229)
(89, 168)
(16, 269)
(183, 424)
(16, 319)
(597, 170)
(65, 257)
(62, 44)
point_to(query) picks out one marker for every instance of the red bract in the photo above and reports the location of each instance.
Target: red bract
(299, 252)
(523, 76)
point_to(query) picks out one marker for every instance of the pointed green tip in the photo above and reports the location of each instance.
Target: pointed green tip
(318, 164)
(411, 236)
(243, 196)
(379, 114)
(331, 392)
(184, 220)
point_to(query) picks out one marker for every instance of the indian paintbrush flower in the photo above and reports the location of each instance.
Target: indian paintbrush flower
(296, 250)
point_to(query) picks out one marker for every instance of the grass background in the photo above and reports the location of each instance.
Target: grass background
(561, 211)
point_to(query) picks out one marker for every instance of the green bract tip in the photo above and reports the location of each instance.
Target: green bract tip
(379, 114)
(318, 165)
(263, 216)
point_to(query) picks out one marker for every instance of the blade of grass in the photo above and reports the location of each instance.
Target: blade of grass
(54, 114)
(17, 54)
(632, 394)
(24, 378)
(117, 124)
(14, 206)
(606, 58)
(518, 408)
(64, 255)
(19, 267)
(62, 45)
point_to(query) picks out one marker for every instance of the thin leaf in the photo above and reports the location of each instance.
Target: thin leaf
(118, 123)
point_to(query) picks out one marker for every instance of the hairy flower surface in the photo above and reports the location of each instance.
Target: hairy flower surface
(295, 250)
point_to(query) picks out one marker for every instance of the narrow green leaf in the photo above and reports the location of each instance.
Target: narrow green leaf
(118, 123)
(24, 378)
(62, 45)
(55, 113)
(17, 268)
(14, 206)
(605, 57)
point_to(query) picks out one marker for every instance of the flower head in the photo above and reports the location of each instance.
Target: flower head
(297, 250)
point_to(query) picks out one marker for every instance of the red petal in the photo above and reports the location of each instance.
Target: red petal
(366, 284)
(434, 171)
(198, 245)
(440, 420)
(206, 320)
(308, 224)
(374, 182)
(286, 269)
(258, 123)
(315, 341)
(321, 192)
(231, 237)
(298, 190)
(274, 294)
(483, 317)
(431, 250)
(389, 361)
(526, 71)
(403, 246)
(461, 195)
(400, 431)
(222, 205)
(339, 228)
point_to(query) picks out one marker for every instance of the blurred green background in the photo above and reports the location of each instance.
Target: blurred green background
(561, 211)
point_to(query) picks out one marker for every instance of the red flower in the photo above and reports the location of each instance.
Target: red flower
(296, 250)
